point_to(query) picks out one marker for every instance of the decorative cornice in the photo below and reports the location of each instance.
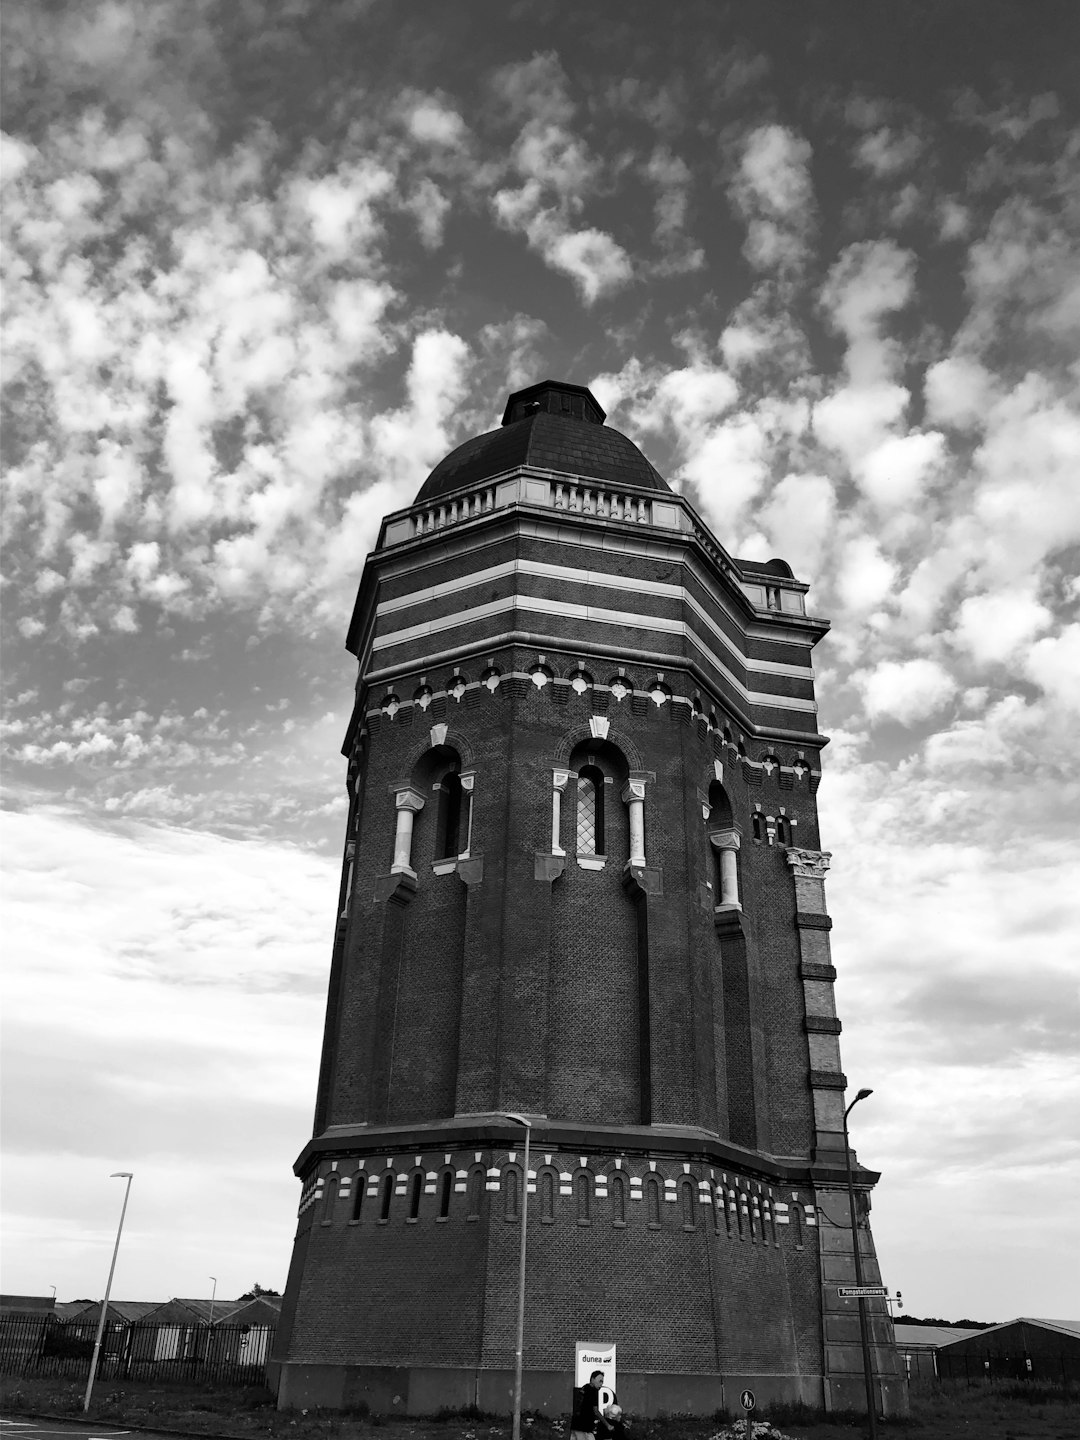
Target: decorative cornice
(828, 1080)
(808, 864)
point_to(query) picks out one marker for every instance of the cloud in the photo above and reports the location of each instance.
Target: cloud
(557, 173)
(184, 985)
(906, 691)
(773, 192)
(992, 627)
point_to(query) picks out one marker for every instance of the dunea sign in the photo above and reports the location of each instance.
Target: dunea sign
(590, 1355)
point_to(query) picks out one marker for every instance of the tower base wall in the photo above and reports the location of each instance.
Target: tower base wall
(423, 1390)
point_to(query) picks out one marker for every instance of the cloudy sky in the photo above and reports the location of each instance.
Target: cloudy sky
(266, 263)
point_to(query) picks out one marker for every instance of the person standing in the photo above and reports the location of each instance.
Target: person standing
(587, 1421)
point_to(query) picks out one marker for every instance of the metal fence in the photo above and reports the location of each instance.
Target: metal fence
(225, 1355)
(1056, 1366)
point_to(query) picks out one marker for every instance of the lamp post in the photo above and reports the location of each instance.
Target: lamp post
(116, 1175)
(520, 1119)
(210, 1322)
(864, 1334)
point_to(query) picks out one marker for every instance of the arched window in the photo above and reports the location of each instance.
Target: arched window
(618, 1199)
(688, 1202)
(652, 1202)
(448, 841)
(547, 1196)
(330, 1195)
(416, 1187)
(583, 1192)
(797, 1223)
(386, 1192)
(727, 1199)
(783, 830)
(359, 1185)
(511, 1193)
(580, 681)
(716, 1198)
(474, 1193)
(757, 822)
(590, 811)
(446, 1183)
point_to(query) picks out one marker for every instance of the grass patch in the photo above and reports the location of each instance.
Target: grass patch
(1003, 1410)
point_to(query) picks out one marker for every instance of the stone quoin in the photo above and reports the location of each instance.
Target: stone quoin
(582, 881)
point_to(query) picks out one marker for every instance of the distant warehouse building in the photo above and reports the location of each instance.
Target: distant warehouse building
(1020, 1349)
(918, 1346)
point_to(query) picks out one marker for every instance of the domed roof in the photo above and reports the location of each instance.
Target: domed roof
(554, 426)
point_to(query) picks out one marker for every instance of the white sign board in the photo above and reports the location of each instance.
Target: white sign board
(590, 1355)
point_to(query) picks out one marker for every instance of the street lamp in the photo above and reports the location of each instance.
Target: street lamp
(116, 1175)
(210, 1322)
(520, 1119)
(864, 1334)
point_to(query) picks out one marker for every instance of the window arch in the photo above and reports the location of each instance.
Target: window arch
(617, 1189)
(783, 830)
(359, 1186)
(511, 1193)
(652, 1202)
(330, 1195)
(590, 811)
(446, 1187)
(688, 1203)
(416, 1189)
(547, 1197)
(474, 1193)
(580, 681)
(583, 1196)
(757, 824)
(386, 1194)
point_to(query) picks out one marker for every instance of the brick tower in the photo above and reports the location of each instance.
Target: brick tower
(582, 882)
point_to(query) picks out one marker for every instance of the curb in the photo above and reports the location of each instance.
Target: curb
(122, 1424)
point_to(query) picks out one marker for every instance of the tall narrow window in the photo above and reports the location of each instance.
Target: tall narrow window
(474, 1193)
(652, 1201)
(448, 840)
(618, 1199)
(689, 1204)
(444, 1194)
(547, 1195)
(590, 811)
(330, 1195)
(358, 1194)
(386, 1191)
(511, 1187)
(583, 1190)
(416, 1185)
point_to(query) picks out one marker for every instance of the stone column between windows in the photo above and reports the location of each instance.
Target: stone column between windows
(827, 1080)
(408, 802)
(728, 842)
(633, 796)
(559, 781)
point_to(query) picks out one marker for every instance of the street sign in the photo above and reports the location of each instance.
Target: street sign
(862, 1292)
(747, 1400)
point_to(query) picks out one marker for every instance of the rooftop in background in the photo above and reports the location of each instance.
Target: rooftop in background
(553, 426)
(911, 1337)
